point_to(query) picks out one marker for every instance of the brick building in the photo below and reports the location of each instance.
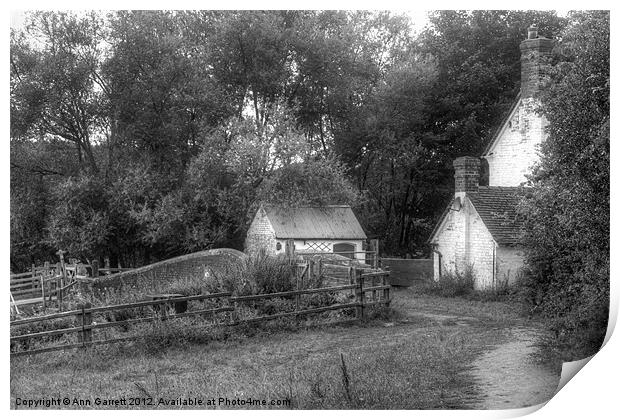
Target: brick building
(313, 230)
(480, 227)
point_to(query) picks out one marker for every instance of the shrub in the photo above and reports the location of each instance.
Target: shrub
(256, 275)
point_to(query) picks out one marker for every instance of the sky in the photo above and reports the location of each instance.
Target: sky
(418, 17)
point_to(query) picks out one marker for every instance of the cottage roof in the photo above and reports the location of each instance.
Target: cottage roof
(326, 222)
(497, 207)
(502, 127)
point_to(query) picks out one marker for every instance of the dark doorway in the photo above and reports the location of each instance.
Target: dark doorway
(345, 249)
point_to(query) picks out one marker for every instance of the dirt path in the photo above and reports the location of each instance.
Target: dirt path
(509, 378)
(506, 375)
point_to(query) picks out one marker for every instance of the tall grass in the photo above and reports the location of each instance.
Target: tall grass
(453, 283)
(256, 274)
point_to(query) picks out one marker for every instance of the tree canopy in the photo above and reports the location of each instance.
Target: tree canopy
(146, 134)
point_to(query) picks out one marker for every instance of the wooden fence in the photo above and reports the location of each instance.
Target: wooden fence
(367, 289)
(50, 282)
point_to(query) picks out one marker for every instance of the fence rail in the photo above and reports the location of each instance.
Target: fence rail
(51, 283)
(161, 308)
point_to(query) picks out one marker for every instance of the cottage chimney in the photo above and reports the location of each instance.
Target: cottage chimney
(534, 50)
(466, 175)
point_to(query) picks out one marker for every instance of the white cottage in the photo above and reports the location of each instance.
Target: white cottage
(313, 230)
(480, 227)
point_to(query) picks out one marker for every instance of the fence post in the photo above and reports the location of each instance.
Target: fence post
(298, 276)
(374, 292)
(106, 261)
(289, 249)
(386, 292)
(94, 268)
(359, 293)
(311, 269)
(63, 275)
(43, 290)
(374, 244)
(32, 283)
(86, 319)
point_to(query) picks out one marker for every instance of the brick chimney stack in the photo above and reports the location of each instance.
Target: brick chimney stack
(466, 175)
(533, 52)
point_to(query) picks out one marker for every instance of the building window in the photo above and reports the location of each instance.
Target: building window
(278, 246)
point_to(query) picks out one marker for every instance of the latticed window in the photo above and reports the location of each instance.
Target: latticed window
(318, 246)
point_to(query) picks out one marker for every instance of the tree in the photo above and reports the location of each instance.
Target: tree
(81, 221)
(53, 82)
(162, 93)
(478, 62)
(567, 214)
(317, 181)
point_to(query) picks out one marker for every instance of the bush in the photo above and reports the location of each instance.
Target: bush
(256, 275)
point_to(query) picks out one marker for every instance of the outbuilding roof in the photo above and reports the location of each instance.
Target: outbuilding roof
(497, 207)
(326, 222)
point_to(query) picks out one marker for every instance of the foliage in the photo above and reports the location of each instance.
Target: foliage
(315, 182)
(478, 64)
(567, 212)
(257, 274)
(53, 86)
(81, 221)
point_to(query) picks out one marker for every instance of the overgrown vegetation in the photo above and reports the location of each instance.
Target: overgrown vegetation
(260, 274)
(415, 364)
(567, 212)
(457, 283)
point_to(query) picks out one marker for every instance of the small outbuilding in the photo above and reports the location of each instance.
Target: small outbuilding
(325, 229)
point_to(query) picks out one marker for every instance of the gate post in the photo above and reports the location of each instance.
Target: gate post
(359, 293)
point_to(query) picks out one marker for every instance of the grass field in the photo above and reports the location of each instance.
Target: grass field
(417, 361)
